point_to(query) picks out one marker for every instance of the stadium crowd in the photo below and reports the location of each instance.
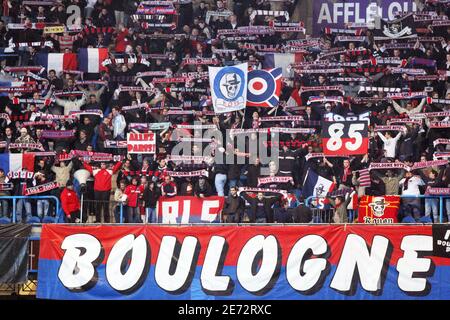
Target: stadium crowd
(72, 120)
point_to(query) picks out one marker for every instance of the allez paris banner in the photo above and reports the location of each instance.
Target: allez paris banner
(186, 209)
(218, 262)
(141, 142)
(335, 14)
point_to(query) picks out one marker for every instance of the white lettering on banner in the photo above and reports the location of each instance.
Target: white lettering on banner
(186, 211)
(138, 268)
(207, 205)
(78, 267)
(312, 274)
(345, 12)
(356, 258)
(175, 266)
(267, 252)
(212, 281)
(258, 265)
(410, 264)
(169, 212)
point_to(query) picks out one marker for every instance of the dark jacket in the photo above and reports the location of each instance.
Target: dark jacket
(267, 204)
(234, 205)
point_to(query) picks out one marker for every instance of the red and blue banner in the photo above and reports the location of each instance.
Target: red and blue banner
(336, 262)
(173, 210)
(264, 88)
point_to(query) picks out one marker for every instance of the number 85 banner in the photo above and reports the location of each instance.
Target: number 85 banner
(345, 137)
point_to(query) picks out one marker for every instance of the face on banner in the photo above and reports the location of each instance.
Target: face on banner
(335, 14)
(228, 87)
(345, 138)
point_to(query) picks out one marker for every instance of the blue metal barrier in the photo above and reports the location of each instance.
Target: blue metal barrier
(15, 198)
(441, 203)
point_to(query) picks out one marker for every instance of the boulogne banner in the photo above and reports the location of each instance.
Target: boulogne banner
(335, 14)
(244, 262)
(189, 209)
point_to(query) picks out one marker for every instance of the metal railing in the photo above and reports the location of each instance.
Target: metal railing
(353, 213)
(16, 198)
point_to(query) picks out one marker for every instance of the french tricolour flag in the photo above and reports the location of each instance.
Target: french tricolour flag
(57, 61)
(90, 59)
(317, 186)
(12, 162)
(281, 60)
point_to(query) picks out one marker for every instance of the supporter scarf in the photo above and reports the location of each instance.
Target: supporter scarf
(122, 79)
(88, 82)
(187, 90)
(431, 114)
(441, 141)
(405, 121)
(428, 77)
(188, 158)
(44, 153)
(155, 56)
(387, 165)
(272, 13)
(6, 186)
(441, 101)
(156, 3)
(282, 118)
(45, 102)
(408, 71)
(322, 88)
(90, 156)
(320, 71)
(196, 127)
(148, 25)
(248, 131)
(152, 11)
(96, 30)
(386, 60)
(171, 80)
(430, 39)
(375, 69)
(139, 60)
(24, 69)
(437, 191)
(321, 155)
(196, 140)
(340, 192)
(441, 23)
(221, 32)
(149, 126)
(304, 43)
(113, 144)
(36, 77)
(58, 134)
(401, 45)
(439, 125)
(444, 155)
(138, 17)
(56, 116)
(196, 75)
(355, 32)
(134, 89)
(331, 52)
(290, 29)
(152, 74)
(200, 61)
(31, 44)
(389, 128)
(357, 25)
(274, 180)
(297, 144)
(406, 95)
(23, 26)
(36, 146)
(17, 89)
(262, 47)
(3, 144)
(135, 107)
(224, 51)
(209, 14)
(87, 113)
(41, 188)
(67, 93)
(20, 175)
(38, 3)
(378, 89)
(264, 190)
(292, 130)
(428, 164)
(255, 30)
(350, 39)
(38, 123)
(239, 38)
(316, 99)
(348, 79)
(178, 174)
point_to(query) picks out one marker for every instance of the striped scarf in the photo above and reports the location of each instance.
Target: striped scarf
(114, 61)
(272, 13)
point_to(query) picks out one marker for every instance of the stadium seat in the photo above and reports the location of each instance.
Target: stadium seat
(48, 219)
(425, 219)
(33, 219)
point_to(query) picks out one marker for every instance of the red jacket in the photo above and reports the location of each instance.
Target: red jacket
(102, 177)
(132, 193)
(121, 41)
(70, 201)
